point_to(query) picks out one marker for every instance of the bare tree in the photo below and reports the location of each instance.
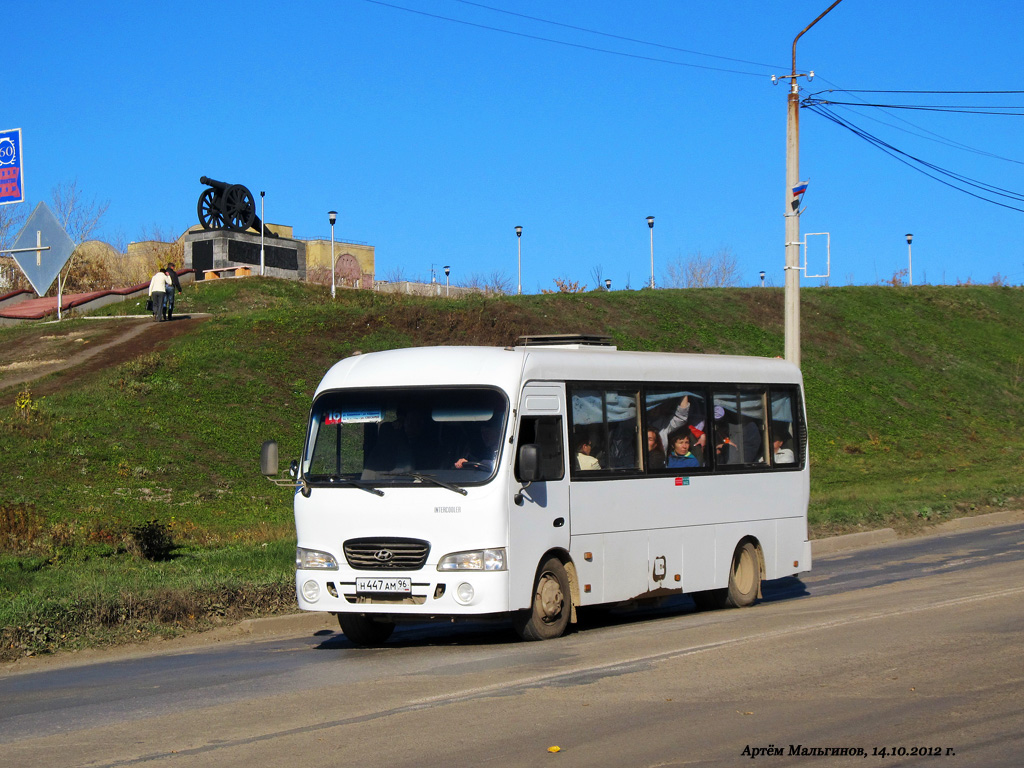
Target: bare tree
(597, 273)
(80, 218)
(718, 270)
(12, 217)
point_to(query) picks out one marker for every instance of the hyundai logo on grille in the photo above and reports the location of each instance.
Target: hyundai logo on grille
(384, 555)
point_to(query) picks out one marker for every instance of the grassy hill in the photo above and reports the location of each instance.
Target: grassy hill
(914, 399)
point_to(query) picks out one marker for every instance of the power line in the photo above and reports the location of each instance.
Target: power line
(945, 93)
(962, 109)
(932, 135)
(562, 42)
(931, 170)
(938, 139)
(617, 37)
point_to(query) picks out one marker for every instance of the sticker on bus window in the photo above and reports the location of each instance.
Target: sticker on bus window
(352, 417)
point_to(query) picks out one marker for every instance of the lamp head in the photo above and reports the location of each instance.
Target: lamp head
(650, 222)
(447, 270)
(332, 217)
(909, 238)
(519, 231)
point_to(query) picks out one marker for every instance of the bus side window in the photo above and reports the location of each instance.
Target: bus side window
(784, 448)
(740, 427)
(546, 433)
(605, 430)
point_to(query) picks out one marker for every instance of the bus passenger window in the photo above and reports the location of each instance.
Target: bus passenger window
(680, 411)
(783, 433)
(546, 433)
(740, 429)
(605, 430)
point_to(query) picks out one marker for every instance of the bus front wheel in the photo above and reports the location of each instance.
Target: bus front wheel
(549, 614)
(362, 630)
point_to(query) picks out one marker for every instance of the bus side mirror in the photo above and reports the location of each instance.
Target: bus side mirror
(268, 458)
(529, 461)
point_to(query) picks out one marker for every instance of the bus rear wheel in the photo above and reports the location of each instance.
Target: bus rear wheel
(363, 630)
(744, 577)
(548, 616)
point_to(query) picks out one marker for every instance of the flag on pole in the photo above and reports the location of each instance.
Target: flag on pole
(799, 189)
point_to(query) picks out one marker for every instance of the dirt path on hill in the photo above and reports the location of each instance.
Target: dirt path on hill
(53, 358)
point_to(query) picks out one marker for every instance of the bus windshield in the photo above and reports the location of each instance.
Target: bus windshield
(381, 437)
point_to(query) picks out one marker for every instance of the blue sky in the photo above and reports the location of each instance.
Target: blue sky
(433, 139)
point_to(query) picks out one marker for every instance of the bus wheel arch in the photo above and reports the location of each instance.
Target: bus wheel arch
(553, 599)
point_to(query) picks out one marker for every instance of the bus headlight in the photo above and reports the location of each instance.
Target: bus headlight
(477, 560)
(311, 559)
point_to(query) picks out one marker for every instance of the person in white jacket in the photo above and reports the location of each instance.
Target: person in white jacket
(157, 292)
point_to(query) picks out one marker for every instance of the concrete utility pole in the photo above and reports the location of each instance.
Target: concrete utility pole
(792, 298)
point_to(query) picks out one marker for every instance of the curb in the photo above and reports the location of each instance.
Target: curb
(1006, 517)
(307, 621)
(852, 541)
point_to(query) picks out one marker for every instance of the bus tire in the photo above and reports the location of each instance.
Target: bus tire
(363, 630)
(744, 577)
(551, 607)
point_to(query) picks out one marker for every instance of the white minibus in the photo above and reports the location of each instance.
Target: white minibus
(445, 483)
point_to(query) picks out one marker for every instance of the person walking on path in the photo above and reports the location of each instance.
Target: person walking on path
(157, 292)
(172, 290)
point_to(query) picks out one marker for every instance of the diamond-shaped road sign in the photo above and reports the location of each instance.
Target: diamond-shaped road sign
(41, 267)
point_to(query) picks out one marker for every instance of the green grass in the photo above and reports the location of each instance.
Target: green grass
(914, 400)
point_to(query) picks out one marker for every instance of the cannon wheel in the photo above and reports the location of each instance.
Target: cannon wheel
(239, 207)
(210, 215)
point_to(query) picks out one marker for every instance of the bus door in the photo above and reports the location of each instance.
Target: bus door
(538, 515)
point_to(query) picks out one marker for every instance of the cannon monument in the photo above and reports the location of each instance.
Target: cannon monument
(228, 206)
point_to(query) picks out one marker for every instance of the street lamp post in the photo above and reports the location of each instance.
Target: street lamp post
(762, 278)
(332, 216)
(447, 271)
(262, 219)
(608, 283)
(519, 241)
(910, 260)
(650, 224)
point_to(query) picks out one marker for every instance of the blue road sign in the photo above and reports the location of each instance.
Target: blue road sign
(12, 182)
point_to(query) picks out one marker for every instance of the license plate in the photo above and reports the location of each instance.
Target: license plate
(401, 586)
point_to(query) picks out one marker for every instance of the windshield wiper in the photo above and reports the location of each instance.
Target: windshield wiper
(429, 479)
(335, 480)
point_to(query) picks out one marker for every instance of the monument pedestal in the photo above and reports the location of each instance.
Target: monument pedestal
(224, 248)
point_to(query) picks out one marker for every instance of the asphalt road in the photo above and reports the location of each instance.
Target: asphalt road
(913, 646)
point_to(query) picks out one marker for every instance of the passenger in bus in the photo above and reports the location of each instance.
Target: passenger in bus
(655, 453)
(689, 414)
(583, 458)
(680, 455)
(782, 455)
